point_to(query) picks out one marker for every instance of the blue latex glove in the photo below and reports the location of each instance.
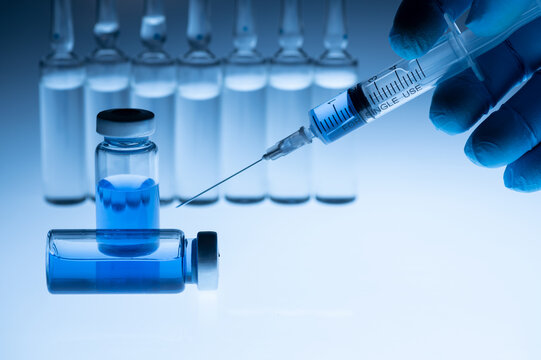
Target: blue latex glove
(510, 136)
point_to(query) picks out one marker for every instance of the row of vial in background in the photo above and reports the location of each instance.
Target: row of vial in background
(213, 117)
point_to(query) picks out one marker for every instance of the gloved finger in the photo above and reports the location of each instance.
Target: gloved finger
(458, 103)
(490, 17)
(418, 24)
(524, 174)
(510, 132)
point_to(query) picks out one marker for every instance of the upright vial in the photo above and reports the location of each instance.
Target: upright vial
(288, 98)
(335, 71)
(243, 111)
(108, 75)
(198, 110)
(127, 195)
(61, 104)
(145, 261)
(153, 86)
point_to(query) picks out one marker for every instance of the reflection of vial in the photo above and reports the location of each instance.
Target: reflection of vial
(127, 194)
(288, 97)
(61, 113)
(75, 262)
(243, 111)
(198, 110)
(107, 84)
(153, 87)
(335, 71)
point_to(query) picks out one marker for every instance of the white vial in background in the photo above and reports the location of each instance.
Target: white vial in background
(335, 176)
(288, 102)
(198, 111)
(153, 87)
(243, 112)
(107, 84)
(61, 102)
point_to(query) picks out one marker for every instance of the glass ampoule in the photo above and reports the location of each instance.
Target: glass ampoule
(153, 86)
(130, 261)
(243, 111)
(335, 180)
(108, 75)
(288, 97)
(198, 110)
(127, 186)
(61, 103)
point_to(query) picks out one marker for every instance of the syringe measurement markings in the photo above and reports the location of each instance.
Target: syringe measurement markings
(419, 75)
(317, 125)
(412, 74)
(337, 114)
(372, 99)
(405, 80)
(410, 78)
(384, 92)
(376, 85)
(398, 77)
(398, 87)
(344, 116)
(392, 87)
(420, 68)
(335, 122)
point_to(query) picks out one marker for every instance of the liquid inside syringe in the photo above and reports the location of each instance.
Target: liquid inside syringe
(391, 88)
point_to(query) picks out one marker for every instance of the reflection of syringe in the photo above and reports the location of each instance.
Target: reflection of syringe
(392, 88)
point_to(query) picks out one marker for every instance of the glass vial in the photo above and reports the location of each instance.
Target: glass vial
(136, 261)
(61, 104)
(335, 71)
(288, 100)
(127, 195)
(198, 110)
(243, 111)
(153, 86)
(108, 75)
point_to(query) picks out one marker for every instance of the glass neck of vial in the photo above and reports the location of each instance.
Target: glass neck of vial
(61, 27)
(291, 36)
(153, 26)
(126, 142)
(244, 34)
(336, 36)
(106, 28)
(198, 32)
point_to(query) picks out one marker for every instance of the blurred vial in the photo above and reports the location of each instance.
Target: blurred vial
(127, 195)
(335, 71)
(153, 86)
(61, 104)
(243, 111)
(108, 74)
(198, 110)
(144, 261)
(288, 100)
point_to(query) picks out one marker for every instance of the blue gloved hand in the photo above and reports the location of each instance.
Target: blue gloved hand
(510, 136)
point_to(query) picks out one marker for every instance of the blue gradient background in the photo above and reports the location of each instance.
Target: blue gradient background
(435, 260)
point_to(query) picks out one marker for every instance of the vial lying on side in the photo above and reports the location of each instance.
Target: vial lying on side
(127, 195)
(145, 261)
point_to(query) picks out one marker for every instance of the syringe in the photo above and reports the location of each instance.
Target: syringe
(392, 88)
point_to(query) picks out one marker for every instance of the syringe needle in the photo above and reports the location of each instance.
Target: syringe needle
(217, 184)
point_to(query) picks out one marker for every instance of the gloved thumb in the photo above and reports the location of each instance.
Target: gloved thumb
(490, 17)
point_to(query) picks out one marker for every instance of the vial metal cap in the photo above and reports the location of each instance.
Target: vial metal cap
(125, 123)
(207, 260)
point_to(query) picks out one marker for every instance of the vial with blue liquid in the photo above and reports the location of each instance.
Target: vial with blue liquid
(144, 261)
(127, 195)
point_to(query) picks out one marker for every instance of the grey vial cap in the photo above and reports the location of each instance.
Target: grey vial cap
(125, 123)
(207, 260)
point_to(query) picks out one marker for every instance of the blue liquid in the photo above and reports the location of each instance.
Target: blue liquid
(127, 202)
(132, 275)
